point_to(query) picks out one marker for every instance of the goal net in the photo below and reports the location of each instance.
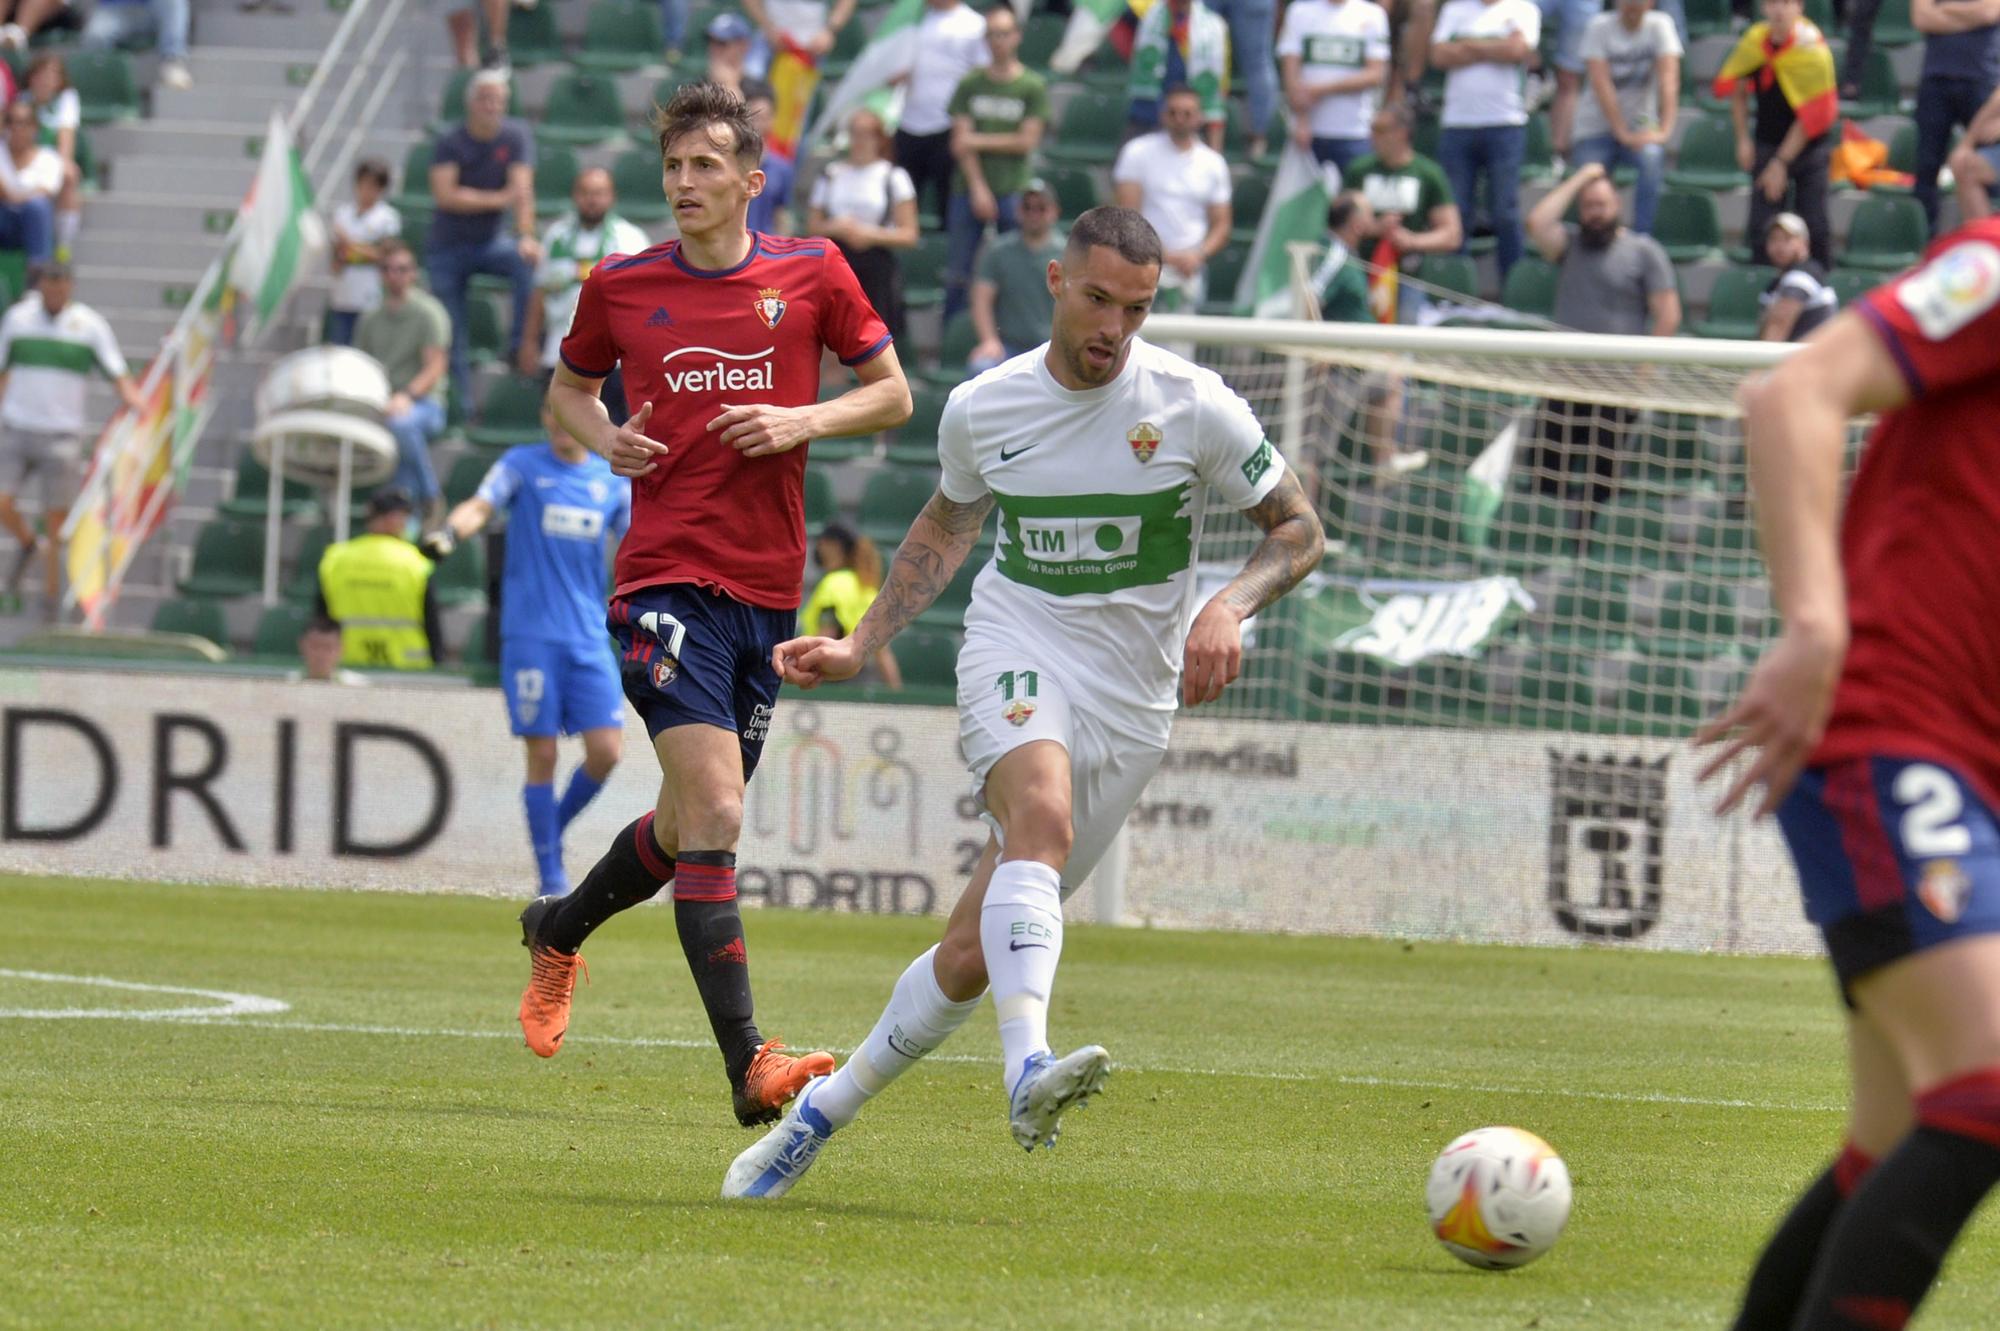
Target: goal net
(1472, 722)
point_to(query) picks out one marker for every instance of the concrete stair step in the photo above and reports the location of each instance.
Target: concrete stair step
(174, 216)
(188, 252)
(209, 140)
(310, 26)
(225, 179)
(246, 69)
(250, 105)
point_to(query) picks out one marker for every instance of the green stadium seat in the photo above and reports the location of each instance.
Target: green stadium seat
(1247, 202)
(1076, 189)
(927, 657)
(451, 103)
(1538, 157)
(555, 178)
(416, 231)
(202, 619)
(474, 652)
(891, 499)
(104, 84)
(1851, 284)
(278, 630)
(1224, 273)
(1660, 696)
(583, 109)
(1887, 235)
(954, 349)
(1733, 307)
(1592, 614)
(1555, 691)
(1531, 287)
(915, 442)
(1688, 225)
(1529, 530)
(485, 328)
(622, 35)
(1902, 155)
(509, 414)
(1893, 26)
(414, 198)
(228, 559)
(460, 579)
(1040, 39)
(923, 272)
(532, 38)
(462, 481)
(1696, 621)
(1881, 93)
(253, 492)
(820, 506)
(1632, 532)
(1707, 158)
(1454, 276)
(1709, 18)
(1822, 15)
(848, 43)
(636, 175)
(303, 586)
(1089, 131)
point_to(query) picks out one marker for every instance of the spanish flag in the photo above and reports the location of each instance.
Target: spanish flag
(1802, 66)
(1383, 280)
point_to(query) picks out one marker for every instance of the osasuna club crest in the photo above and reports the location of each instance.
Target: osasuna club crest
(665, 670)
(1145, 440)
(770, 306)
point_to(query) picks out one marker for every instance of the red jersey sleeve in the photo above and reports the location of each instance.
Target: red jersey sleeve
(849, 326)
(1941, 320)
(589, 349)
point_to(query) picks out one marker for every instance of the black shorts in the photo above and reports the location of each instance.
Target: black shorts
(688, 655)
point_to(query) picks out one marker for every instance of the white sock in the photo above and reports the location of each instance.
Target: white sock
(1021, 932)
(918, 1019)
(67, 225)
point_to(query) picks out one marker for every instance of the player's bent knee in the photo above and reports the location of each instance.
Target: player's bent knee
(1037, 826)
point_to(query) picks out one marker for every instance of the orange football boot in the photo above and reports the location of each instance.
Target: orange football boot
(771, 1081)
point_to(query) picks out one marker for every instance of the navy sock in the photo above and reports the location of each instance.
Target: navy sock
(711, 931)
(1887, 1244)
(540, 802)
(580, 791)
(632, 871)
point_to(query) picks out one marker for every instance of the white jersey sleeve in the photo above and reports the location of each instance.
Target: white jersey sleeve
(960, 480)
(1232, 454)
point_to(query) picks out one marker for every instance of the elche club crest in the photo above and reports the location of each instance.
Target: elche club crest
(770, 306)
(1145, 440)
(1018, 711)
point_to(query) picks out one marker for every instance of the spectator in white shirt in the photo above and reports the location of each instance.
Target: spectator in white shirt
(1181, 185)
(579, 240)
(809, 25)
(1632, 58)
(357, 227)
(1484, 47)
(951, 43)
(867, 206)
(31, 177)
(1334, 55)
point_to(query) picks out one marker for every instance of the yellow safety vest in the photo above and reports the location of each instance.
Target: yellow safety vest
(374, 587)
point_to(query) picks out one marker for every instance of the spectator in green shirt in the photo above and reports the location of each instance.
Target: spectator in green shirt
(997, 117)
(1410, 195)
(1011, 302)
(410, 334)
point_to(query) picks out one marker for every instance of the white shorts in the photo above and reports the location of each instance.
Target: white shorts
(53, 463)
(1009, 696)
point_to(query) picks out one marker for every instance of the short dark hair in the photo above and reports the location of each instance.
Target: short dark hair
(756, 90)
(1399, 112)
(389, 247)
(320, 624)
(703, 105)
(1341, 211)
(1002, 8)
(1179, 90)
(1121, 229)
(373, 168)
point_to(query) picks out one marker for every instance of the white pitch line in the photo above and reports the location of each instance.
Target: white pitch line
(206, 1018)
(231, 1004)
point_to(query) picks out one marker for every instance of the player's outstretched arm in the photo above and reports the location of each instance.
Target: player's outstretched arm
(1293, 542)
(882, 402)
(1795, 426)
(579, 410)
(940, 538)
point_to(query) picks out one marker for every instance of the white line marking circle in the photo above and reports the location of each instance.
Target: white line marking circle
(222, 1002)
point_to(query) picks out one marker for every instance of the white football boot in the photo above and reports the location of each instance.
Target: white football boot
(1048, 1086)
(783, 1155)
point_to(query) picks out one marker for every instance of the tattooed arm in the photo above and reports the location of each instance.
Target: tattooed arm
(1291, 548)
(939, 540)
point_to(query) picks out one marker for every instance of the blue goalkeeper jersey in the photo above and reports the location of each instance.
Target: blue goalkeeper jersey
(561, 518)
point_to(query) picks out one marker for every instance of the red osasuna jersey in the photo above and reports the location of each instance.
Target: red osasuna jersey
(694, 343)
(1920, 538)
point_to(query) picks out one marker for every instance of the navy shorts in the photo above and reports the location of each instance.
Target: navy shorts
(692, 656)
(1895, 855)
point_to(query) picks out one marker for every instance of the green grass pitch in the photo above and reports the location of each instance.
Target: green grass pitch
(384, 1151)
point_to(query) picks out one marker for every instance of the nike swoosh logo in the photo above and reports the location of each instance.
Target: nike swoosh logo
(1005, 456)
(1016, 947)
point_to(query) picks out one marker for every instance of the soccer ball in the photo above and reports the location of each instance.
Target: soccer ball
(1498, 1197)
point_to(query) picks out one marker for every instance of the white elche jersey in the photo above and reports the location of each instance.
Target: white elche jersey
(1101, 496)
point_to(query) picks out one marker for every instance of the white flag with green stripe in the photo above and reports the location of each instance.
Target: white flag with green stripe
(1485, 487)
(1089, 21)
(281, 239)
(890, 54)
(1296, 212)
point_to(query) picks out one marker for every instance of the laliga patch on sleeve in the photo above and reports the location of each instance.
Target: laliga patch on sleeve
(1953, 289)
